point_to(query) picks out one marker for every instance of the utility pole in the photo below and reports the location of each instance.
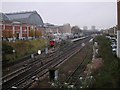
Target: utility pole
(118, 31)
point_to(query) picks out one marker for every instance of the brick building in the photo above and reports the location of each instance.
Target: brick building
(53, 29)
(21, 25)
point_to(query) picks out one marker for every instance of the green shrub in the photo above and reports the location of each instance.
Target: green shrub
(21, 48)
(7, 49)
(109, 76)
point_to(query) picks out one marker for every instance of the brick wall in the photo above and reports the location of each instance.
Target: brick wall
(9, 32)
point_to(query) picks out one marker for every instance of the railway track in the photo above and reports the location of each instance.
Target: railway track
(26, 66)
(21, 70)
(26, 62)
(62, 60)
(57, 64)
(36, 68)
(73, 79)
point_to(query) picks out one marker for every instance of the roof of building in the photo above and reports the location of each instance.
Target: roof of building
(3, 17)
(19, 15)
(31, 17)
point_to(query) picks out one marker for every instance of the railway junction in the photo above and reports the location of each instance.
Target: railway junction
(62, 68)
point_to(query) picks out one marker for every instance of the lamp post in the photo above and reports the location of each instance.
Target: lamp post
(46, 42)
(39, 52)
(14, 54)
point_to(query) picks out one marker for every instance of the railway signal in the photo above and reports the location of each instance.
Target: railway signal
(32, 55)
(46, 50)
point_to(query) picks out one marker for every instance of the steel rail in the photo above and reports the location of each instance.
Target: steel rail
(34, 73)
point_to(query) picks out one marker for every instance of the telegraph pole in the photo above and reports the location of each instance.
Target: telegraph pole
(118, 31)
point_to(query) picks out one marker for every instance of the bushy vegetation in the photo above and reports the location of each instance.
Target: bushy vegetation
(109, 76)
(21, 48)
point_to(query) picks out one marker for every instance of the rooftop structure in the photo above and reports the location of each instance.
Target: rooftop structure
(31, 17)
(4, 17)
(21, 25)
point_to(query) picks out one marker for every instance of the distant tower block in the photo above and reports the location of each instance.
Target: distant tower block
(93, 28)
(67, 28)
(118, 32)
(85, 28)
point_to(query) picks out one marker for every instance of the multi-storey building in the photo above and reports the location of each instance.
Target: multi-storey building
(85, 28)
(111, 31)
(93, 28)
(21, 25)
(53, 29)
(66, 28)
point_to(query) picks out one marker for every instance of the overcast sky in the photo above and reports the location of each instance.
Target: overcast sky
(101, 14)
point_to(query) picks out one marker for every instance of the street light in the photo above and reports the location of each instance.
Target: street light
(14, 53)
(46, 43)
(39, 52)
